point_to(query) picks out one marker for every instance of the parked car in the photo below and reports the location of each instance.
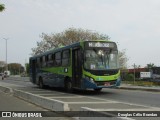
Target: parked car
(1, 74)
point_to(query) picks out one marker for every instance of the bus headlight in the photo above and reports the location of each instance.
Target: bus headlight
(90, 79)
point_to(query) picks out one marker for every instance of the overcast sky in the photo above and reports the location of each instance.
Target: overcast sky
(133, 24)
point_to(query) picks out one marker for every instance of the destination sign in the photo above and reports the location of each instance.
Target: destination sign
(100, 44)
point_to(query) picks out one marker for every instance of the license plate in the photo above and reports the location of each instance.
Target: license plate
(106, 84)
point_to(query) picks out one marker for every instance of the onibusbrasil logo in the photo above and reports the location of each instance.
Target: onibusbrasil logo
(21, 114)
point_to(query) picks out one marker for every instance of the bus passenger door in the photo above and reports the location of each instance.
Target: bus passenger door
(76, 67)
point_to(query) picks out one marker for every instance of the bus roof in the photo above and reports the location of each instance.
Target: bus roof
(65, 47)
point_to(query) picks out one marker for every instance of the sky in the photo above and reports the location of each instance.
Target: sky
(133, 24)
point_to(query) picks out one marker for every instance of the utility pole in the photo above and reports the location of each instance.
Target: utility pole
(6, 53)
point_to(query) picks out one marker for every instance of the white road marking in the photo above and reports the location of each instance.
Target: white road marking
(89, 102)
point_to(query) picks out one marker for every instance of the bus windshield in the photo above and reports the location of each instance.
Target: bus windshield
(101, 59)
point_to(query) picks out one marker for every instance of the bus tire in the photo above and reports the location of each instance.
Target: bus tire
(41, 85)
(97, 89)
(68, 86)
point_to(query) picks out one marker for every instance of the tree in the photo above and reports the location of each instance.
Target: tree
(70, 36)
(150, 65)
(123, 59)
(136, 66)
(2, 65)
(64, 38)
(2, 7)
(15, 68)
(27, 68)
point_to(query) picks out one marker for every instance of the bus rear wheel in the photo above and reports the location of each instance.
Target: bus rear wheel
(41, 85)
(68, 86)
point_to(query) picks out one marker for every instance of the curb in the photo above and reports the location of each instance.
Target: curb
(6, 89)
(143, 89)
(53, 105)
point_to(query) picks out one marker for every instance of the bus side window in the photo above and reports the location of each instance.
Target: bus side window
(50, 60)
(65, 57)
(38, 64)
(58, 59)
(43, 61)
(46, 58)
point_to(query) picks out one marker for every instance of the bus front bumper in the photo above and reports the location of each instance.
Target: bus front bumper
(88, 84)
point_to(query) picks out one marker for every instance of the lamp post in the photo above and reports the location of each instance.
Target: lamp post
(6, 53)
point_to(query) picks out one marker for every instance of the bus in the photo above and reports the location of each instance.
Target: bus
(82, 65)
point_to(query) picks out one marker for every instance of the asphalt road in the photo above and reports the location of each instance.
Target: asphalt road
(11, 103)
(130, 96)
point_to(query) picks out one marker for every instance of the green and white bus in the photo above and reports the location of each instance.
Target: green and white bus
(82, 65)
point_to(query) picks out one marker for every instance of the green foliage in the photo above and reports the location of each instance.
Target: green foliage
(27, 68)
(129, 77)
(1, 69)
(15, 68)
(150, 65)
(143, 83)
(2, 7)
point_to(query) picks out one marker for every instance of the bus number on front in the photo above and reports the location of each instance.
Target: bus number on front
(92, 44)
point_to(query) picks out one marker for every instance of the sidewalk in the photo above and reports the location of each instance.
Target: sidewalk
(144, 88)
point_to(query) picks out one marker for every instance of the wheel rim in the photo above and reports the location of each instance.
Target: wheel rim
(68, 86)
